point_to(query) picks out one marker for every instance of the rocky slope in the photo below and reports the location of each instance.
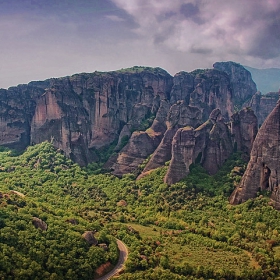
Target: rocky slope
(262, 173)
(147, 106)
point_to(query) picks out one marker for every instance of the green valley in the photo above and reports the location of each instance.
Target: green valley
(184, 231)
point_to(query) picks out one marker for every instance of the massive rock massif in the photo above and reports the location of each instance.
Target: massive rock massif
(263, 170)
(157, 115)
(82, 112)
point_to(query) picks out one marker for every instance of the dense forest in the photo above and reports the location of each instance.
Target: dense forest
(184, 231)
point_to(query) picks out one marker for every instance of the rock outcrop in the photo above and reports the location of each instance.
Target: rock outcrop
(61, 119)
(244, 128)
(262, 173)
(89, 237)
(212, 90)
(182, 155)
(180, 115)
(241, 82)
(83, 111)
(211, 144)
(87, 111)
(38, 223)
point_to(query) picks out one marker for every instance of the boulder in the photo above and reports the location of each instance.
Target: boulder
(38, 223)
(89, 237)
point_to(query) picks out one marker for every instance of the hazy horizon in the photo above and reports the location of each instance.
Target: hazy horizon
(41, 40)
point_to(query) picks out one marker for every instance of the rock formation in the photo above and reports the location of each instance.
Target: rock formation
(210, 144)
(87, 111)
(38, 223)
(262, 173)
(244, 128)
(212, 90)
(60, 118)
(182, 155)
(180, 115)
(89, 237)
(241, 83)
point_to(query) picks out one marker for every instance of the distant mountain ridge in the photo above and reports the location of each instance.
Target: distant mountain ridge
(267, 80)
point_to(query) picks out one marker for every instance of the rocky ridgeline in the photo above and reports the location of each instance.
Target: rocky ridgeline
(165, 117)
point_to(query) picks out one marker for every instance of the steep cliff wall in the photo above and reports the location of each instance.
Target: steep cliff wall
(17, 107)
(88, 111)
(210, 144)
(262, 172)
(212, 90)
(242, 85)
(244, 128)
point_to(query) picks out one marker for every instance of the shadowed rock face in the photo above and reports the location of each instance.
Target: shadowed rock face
(262, 172)
(60, 117)
(244, 128)
(180, 115)
(81, 112)
(211, 142)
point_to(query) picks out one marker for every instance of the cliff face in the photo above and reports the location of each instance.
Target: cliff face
(60, 118)
(240, 81)
(244, 128)
(210, 144)
(17, 107)
(84, 112)
(262, 172)
(212, 90)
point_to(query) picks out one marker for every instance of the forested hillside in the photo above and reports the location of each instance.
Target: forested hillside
(184, 231)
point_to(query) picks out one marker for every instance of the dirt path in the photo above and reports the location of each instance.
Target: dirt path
(121, 261)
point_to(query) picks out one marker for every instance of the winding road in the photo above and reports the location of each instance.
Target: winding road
(121, 261)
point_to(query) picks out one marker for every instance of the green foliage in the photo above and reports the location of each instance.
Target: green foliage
(184, 231)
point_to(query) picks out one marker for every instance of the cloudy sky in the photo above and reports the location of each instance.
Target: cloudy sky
(40, 39)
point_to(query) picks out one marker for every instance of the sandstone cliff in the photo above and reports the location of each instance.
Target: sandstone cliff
(244, 128)
(210, 144)
(83, 111)
(241, 83)
(87, 111)
(212, 90)
(262, 172)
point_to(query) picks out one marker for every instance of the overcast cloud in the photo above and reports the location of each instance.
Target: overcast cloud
(42, 39)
